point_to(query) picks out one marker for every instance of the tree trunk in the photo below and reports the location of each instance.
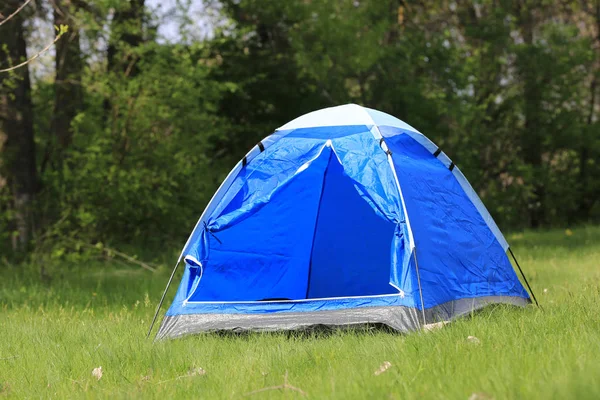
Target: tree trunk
(16, 124)
(126, 34)
(587, 198)
(532, 138)
(67, 84)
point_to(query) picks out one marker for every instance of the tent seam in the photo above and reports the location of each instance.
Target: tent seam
(296, 300)
(406, 216)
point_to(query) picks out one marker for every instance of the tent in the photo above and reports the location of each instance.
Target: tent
(342, 217)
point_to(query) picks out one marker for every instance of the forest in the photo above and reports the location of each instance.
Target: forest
(126, 115)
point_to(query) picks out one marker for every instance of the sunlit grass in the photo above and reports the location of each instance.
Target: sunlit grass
(53, 334)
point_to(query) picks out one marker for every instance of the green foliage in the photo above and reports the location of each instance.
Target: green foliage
(509, 90)
(61, 29)
(141, 177)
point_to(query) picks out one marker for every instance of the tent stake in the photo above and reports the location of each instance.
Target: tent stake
(419, 282)
(524, 278)
(162, 298)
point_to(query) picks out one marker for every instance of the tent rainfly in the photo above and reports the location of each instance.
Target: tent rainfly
(342, 217)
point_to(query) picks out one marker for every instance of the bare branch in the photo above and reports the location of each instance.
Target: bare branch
(63, 30)
(107, 251)
(285, 386)
(15, 13)
(131, 259)
(191, 373)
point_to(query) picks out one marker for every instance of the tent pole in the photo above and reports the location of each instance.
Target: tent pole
(524, 278)
(162, 298)
(419, 282)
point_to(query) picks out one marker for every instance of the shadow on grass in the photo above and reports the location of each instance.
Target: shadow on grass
(312, 332)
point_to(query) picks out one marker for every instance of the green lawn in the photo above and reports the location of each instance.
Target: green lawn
(52, 335)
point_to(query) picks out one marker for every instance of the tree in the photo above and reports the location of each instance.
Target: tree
(590, 144)
(67, 83)
(16, 125)
(532, 138)
(126, 34)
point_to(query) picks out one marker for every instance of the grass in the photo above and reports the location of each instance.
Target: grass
(53, 334)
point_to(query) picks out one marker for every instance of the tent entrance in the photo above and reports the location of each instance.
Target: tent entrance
(351, 244)
(315, 238)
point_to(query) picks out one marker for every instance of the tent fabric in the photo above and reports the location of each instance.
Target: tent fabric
(338, 214)
(349, 114)
(459, 255)
(397, 317)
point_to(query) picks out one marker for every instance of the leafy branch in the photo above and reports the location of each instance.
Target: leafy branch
(61, 31)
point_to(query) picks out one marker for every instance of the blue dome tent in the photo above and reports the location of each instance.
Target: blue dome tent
(344, 216)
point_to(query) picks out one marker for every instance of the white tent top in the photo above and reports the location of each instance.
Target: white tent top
(348, 114)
